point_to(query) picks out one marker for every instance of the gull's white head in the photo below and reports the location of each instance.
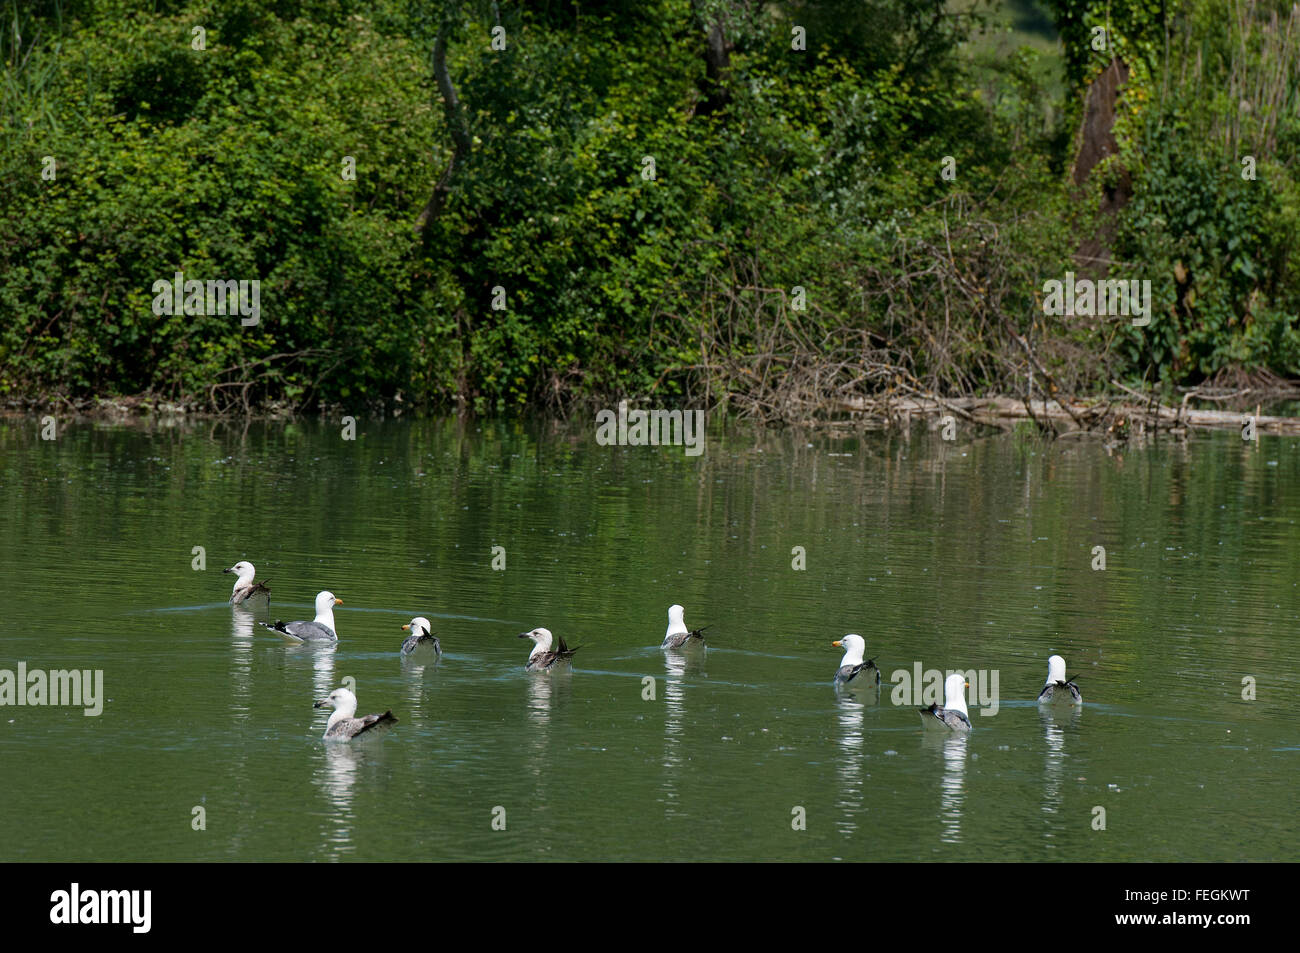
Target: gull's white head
(1055, 670)
(342, 701)
(954, 693)
(542, 638)
(676, 625)
(418, 626)
(325, 603)
(246, 573)
(855, 646)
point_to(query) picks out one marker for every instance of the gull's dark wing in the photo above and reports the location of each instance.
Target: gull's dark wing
(370, 721)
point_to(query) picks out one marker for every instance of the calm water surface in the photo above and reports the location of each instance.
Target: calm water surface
(974, 555)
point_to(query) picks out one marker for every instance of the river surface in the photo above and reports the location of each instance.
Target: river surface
(976, 554)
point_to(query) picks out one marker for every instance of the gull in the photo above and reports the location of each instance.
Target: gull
(852, 669)
(678, 635)
(420, 636)
(952, 714)
(342, 725)
(245, 588)
(1056, 680)
(320, 629)
(542, 659)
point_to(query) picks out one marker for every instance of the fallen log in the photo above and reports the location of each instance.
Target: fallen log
(1075, 415)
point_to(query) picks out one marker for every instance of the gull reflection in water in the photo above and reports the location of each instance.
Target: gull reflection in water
(336, 777)
(952, 789)
(414, 668)
(241, 662)
(241, 626)
(321, 657)
(676, 663)
(864, 690)
(675, 715)
(850, 767)
(1055, 719)
(541, 688)
(242, 640)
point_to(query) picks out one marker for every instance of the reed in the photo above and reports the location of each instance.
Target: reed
(1242, 74)
(29, 92)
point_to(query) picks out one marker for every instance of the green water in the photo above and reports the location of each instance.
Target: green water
(973, 555)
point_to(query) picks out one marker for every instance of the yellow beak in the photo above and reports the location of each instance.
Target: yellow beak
(406, 627)
(338, 601)
(837, 643)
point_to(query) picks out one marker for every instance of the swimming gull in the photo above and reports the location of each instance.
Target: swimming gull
(952, 714)
(420, 636)
(541, 658)
(1055, 690)
(342, 725)
(852, 669)
(320, 629)
(245, 588)
(678, 635)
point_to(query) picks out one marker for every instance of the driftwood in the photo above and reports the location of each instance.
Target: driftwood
(1077, 416)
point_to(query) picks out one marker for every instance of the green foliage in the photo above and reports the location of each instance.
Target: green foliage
(818, 168)
(1217, 244)
(1206, 238)
(220, 164)
(1094, 31)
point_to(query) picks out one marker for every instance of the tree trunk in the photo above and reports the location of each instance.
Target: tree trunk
(1096, 141)
(717, 63)
(460, 137)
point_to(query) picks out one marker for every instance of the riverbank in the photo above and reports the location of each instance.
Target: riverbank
(1116, 415)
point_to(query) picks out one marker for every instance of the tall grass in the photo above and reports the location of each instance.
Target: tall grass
(1242, 70)
(27, 96)
(1264, 76)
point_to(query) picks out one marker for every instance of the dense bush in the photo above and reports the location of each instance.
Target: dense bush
(777, 168)
(1213, 218)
